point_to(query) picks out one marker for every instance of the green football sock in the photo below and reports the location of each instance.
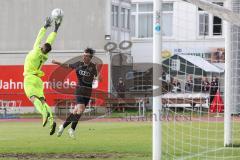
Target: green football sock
(49, 110)
(40, 108)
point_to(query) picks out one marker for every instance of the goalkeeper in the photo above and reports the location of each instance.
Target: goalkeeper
(33, 85)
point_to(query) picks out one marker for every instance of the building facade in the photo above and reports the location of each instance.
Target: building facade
(186, 29)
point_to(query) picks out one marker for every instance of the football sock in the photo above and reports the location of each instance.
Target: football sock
(49, 110)
(75, 121)
(40, 108)
(68, 120)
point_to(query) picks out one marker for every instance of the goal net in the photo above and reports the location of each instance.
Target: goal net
(193, 51)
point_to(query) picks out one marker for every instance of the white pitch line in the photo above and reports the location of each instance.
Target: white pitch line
(199, 154)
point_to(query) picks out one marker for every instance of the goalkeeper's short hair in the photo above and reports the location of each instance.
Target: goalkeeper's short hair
(47, 47)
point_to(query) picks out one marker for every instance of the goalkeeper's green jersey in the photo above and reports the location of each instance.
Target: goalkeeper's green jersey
(35, 58)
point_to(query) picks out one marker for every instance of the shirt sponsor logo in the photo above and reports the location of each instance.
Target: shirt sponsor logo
(83, 73)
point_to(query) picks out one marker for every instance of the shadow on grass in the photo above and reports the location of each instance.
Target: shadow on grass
(233, 145)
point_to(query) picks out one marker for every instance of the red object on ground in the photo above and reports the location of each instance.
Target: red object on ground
(217, 104)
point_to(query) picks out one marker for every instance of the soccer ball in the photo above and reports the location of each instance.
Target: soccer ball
(57, 14)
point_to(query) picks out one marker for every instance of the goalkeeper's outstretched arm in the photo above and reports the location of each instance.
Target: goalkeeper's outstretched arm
(39, 38)
(42, 33)
(51, 38)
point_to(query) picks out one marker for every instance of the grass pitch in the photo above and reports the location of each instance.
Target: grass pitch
(95, 140)
(116, 141)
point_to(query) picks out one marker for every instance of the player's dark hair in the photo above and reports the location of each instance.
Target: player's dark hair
(47, 47)
(90, 51)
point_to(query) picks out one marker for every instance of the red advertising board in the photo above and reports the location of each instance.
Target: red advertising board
(11, 84)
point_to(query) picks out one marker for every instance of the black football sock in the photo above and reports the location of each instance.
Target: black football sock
(68, 120)
(75, 122)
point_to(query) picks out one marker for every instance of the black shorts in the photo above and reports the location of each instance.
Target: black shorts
(83, 95)
(82, 100)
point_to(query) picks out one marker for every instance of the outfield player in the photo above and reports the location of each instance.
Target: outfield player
(33, 85)
(86, 72)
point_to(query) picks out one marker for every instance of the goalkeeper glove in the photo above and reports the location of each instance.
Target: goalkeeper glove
(57, 24)
(48, 22)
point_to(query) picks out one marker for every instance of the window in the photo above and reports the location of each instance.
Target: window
(217, 22)
(203, 24)
(146, 7)
(217, 26)
(209, 25)
(114, 16)
(134, 8)
(145, 20)
(128, 18)
(167, 23)
(167, 7)
(142, 20)
(123, 17)
(134, 20)
(145, 25)
(133, 26)
(167, 20)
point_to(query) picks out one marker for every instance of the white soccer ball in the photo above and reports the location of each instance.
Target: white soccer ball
(57, 14)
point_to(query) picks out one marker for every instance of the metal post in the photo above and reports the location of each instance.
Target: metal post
(228, 76)
(157, 103)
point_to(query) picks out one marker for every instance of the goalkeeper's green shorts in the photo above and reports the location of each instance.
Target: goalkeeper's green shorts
(33, 86)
